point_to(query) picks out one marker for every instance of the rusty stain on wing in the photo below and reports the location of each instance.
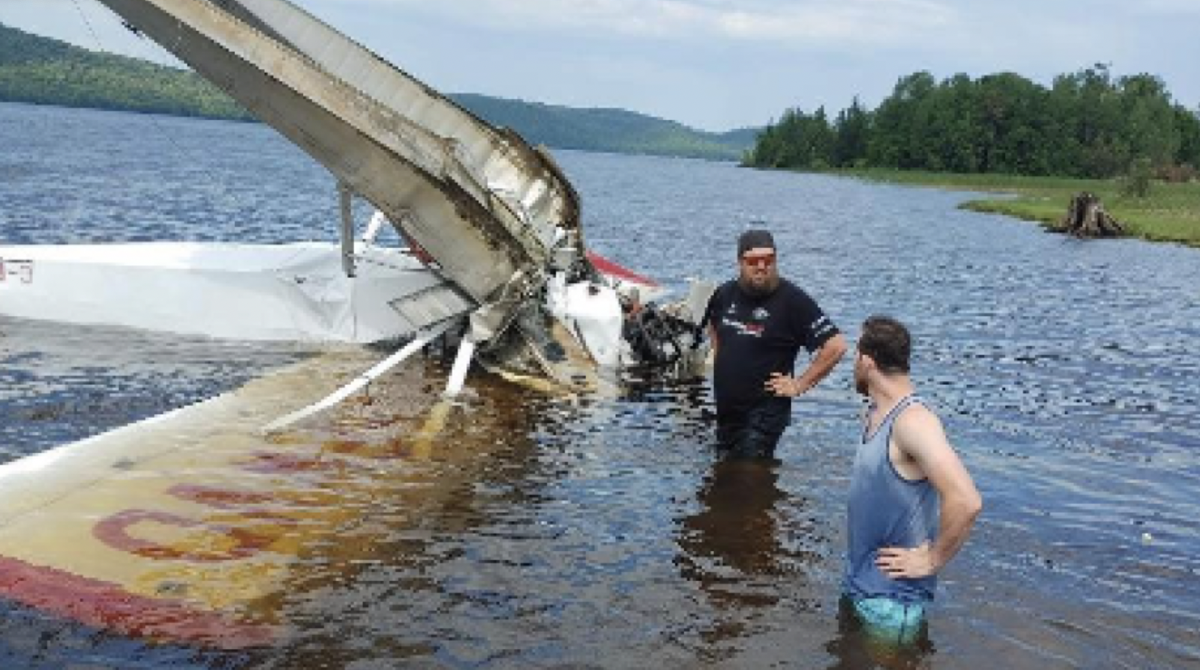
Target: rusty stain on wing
(192, 527)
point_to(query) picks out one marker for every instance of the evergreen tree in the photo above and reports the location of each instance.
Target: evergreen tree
(851, 131)
(1188, 123)
(1087, 124)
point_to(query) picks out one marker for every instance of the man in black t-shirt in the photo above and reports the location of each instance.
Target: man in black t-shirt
(758, 323)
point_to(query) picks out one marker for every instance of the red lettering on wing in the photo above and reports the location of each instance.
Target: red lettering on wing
(114, 531)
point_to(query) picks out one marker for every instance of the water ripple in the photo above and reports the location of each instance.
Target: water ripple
(603, 532)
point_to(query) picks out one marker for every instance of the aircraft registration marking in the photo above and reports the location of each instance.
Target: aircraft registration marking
(16, 271)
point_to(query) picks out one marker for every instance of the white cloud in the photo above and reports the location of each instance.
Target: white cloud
(798, 22)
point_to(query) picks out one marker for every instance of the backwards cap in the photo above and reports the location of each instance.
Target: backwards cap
(755, 239)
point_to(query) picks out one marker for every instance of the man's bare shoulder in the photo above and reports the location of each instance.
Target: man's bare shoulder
(917, 415)
(919, 427)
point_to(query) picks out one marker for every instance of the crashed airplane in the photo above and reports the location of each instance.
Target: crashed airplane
(188, 527)
(493, 225)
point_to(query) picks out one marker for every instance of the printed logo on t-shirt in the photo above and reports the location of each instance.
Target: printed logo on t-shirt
(752, 329)
(757, 323)
(821, 326)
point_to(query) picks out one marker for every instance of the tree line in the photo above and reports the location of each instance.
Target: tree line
(1086, 124)
(39, 70)
(605, 129)
(130, 86)
(42, 71)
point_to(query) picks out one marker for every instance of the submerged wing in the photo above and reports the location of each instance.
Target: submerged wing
(193, 528)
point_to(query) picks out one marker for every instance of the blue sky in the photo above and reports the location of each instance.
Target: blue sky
(718, 64)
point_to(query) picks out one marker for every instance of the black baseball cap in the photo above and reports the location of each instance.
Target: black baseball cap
(754, 239)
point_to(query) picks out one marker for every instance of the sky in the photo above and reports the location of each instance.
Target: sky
(717, 64)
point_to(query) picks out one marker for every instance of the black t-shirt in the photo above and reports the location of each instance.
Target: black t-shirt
(757, 336)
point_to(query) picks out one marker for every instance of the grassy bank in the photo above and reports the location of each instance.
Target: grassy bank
(1171, 212)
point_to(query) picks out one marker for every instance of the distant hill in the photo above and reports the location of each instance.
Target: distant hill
(615, 130)
(44, 71)
(48, 72)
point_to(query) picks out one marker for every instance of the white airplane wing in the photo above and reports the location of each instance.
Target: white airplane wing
(293, 292)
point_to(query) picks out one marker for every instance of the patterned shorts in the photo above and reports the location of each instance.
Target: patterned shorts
(888, 619)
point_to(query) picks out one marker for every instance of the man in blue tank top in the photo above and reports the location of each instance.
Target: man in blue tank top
(758, 323)
(912, 502)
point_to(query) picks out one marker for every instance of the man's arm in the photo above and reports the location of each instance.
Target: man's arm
(920, 438)
(819, 367)
(709, 321)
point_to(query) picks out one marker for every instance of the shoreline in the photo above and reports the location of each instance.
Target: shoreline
(1170, 213)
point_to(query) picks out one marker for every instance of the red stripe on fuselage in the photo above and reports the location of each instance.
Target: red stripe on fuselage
(613, 270)
(108, 606)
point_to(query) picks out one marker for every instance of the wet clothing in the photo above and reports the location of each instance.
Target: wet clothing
(757, 434)
(886, 510)
(887, 620)
(758, 335)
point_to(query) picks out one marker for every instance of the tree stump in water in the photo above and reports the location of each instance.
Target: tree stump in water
(1086, 218)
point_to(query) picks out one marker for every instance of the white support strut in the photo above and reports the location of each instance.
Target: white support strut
(346, 229)
(419, 340)
(462, 363)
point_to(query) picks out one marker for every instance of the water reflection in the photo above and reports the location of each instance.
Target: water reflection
(739, 549)
(63, 383)
(604, 533)
(735, 534)
(434, 538)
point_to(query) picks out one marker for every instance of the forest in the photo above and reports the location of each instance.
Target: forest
(43, 71)
(1088, 124)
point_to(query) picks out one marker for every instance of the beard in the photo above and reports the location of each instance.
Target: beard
(759, 288)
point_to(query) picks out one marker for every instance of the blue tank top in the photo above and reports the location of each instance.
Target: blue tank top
(886, 510)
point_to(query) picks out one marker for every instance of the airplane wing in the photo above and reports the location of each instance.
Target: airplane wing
(193, 528)
(293, 292)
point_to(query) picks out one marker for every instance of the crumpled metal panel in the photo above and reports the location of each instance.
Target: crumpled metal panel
(432, 305)
(496, 215)
(529, 185)
(396, 163)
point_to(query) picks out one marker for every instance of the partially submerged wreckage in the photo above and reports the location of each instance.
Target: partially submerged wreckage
(190, 526)
(491, 222)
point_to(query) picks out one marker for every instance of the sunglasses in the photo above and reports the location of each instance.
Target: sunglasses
(763, 261)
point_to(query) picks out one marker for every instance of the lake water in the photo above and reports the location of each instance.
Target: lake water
(604, 533)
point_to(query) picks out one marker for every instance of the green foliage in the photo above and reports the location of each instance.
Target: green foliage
(20, 47)
(1087, 124)
(1136, 184)
(1188, 123)
(46, 72)
(1169, 211)
(611, 130)
(43, 71)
